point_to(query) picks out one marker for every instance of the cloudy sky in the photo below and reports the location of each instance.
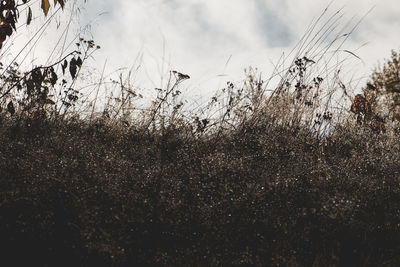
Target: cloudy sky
(214, 40)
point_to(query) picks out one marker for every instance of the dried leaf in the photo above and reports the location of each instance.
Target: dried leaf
(29, 19)
(72, 68)
(64, 66)
(79, 62)
(53, 78)
(62, 3)
(45, 6)
(3, 34)
(5, 30)
(10, 18)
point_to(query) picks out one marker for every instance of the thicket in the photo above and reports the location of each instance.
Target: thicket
(295, 176)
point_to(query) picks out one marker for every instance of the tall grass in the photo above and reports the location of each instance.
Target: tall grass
(256, 176)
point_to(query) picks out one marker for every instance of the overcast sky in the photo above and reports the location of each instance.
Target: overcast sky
(214, 40)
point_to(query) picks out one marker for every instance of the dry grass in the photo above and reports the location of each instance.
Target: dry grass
(253, 177)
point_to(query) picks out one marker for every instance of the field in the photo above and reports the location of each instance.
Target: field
(254, 178)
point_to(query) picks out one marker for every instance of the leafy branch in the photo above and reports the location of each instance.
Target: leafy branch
(18, 82)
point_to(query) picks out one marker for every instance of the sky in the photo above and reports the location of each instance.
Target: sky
(213, 41)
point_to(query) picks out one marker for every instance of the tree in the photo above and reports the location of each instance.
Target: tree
(9, 14)
(383, 89)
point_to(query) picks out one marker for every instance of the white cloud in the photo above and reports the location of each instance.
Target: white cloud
(199, 36)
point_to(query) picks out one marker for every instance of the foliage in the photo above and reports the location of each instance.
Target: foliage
(35, 89)
(9, 14)
(383, 89)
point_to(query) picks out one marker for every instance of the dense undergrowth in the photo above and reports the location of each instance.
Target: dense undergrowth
(79, 193)
(304, 174)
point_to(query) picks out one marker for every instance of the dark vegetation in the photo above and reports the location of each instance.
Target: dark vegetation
(275, 179)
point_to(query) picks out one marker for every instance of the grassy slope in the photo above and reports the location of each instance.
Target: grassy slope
(98, 194)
